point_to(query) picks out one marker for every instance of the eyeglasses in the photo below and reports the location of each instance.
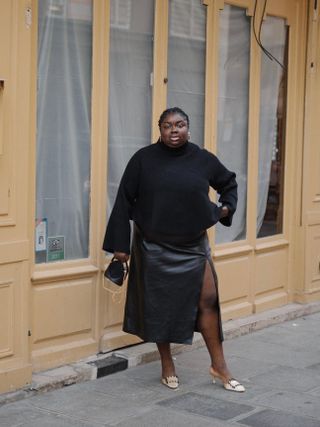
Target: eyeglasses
(167, 125)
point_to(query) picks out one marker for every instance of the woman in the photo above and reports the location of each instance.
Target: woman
(172, 285)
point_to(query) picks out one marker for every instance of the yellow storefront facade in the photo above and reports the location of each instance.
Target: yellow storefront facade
(82, 85)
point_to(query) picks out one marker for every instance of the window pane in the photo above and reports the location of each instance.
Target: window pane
(186, 62)
(63, 129)
(233, 101)
(130, 102)
(272, 128)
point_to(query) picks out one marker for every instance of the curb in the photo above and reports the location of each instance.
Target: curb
(105, 364)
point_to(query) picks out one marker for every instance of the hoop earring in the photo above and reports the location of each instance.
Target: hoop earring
(189, 136)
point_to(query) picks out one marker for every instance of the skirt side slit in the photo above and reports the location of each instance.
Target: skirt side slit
(214, 283)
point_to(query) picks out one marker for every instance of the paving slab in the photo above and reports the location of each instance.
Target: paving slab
(315, 392)
(287, 378)
(315, 367)
(53, 420)
(188, 360)
(21, 414)
(119, 385)
(164, 417)
(200, 404)
(290, 336)
(240, 366)
(304, 404)
(244, 369)
(76, 403)
(270, 418)
(255, 349)
(14, 414)
(217, 391)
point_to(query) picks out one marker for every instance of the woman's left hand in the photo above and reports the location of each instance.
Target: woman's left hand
(121, 256)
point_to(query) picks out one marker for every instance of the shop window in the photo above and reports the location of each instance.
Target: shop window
(274, 37)
(186, 62)
(63, 130)
(130, 92)
(233, 102)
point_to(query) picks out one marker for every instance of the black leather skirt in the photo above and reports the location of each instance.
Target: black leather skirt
(164, 286)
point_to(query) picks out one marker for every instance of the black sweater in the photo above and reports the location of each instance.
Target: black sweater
(165, 191)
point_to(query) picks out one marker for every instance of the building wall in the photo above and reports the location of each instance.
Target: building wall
(15, 169)
(308, 288)
(55, 313)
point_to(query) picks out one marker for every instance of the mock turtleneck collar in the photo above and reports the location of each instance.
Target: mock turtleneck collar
(174, 151)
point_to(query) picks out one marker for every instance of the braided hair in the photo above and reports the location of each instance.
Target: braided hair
(173, 110)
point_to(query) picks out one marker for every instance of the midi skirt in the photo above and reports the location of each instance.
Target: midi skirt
(164, 286)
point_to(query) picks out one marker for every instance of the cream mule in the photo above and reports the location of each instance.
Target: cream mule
(231, 385)
(172, 382)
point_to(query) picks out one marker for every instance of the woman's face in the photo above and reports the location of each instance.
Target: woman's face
(174, 130)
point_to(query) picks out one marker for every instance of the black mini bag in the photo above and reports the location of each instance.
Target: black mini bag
(117, 271)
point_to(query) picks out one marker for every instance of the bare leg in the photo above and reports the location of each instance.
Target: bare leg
(167, 364)
(208, 324)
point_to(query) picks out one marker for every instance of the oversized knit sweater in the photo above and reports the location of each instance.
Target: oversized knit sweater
(165, 191)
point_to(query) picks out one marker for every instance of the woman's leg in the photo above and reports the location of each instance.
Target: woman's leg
(167, 364)
(208, 324)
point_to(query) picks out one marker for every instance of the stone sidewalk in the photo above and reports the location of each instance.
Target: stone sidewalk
(279, 365)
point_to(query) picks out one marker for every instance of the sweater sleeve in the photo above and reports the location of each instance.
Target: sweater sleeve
(117, 236)
(224, 182)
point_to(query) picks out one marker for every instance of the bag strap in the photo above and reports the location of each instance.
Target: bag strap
(126, 270)
(117, 296)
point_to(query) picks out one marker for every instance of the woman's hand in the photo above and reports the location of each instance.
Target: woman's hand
(121, 256)
(224, 211)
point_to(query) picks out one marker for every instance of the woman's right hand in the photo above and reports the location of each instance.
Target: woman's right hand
(121, 256)
(224, 211)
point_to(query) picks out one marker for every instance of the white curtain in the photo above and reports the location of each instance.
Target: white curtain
(273, 37)
(233, 102)
(233, 98)
(130, 91)
(63, 122)
(186, 62)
